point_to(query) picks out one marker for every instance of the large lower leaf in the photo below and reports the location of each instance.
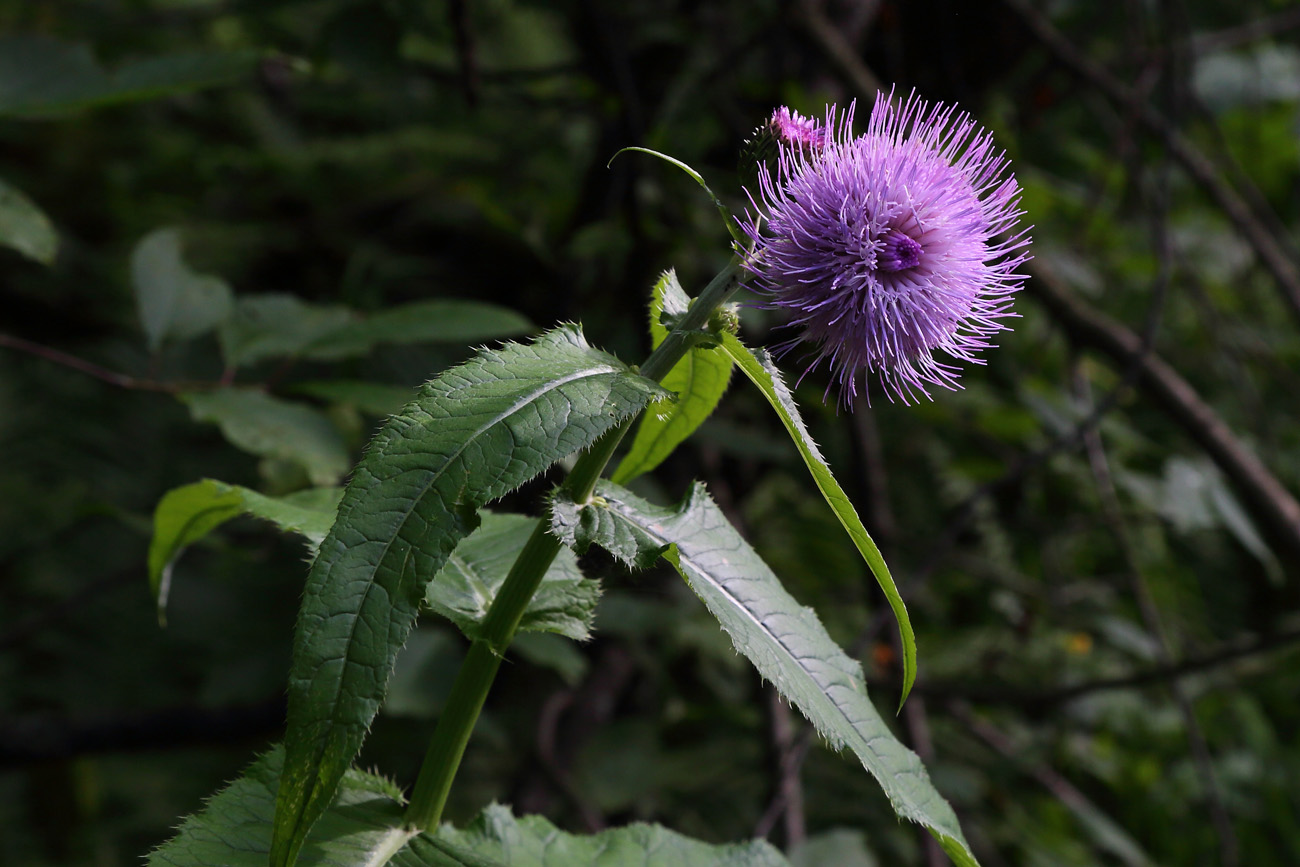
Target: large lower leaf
(535, 842)
(363, 828)
(763, 373)
(698, 380)
(473, 434)
(186, 514)
(564, 603)
(785, 641)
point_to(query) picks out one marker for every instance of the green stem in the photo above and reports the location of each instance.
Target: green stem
(474, 680)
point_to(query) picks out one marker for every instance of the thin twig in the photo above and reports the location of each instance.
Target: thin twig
(1041, 701)
(1251, 31)
(1151, 619)
(1116, 839)
(1269, 248)
(1266, 498)
(112, 377)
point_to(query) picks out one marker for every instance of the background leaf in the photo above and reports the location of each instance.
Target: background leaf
(473, 434)
(758, 367)
(565, 603)
(277, 326)
(173, 300)
(24, 227)
(785, 642)
(284, 326)
(268, 426)
(40, 76)
(698, 380)
(185, 515)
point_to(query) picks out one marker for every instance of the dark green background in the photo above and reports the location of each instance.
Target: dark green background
(374, 153)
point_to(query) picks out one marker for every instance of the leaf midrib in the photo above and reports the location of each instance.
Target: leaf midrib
(370, 583)
(763, 626)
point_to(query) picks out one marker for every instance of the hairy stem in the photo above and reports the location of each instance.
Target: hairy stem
(477, 672)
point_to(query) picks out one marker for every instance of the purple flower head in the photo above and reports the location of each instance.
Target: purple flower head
(885, 248)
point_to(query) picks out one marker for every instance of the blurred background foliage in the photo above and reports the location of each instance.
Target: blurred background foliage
(1096, 536)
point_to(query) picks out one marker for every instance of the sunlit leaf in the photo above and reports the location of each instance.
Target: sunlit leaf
(362, 828)
(698, 380)
(785, 641)
(186, 514)
(473, 434)
(758, 367)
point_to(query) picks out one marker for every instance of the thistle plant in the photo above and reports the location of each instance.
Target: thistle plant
(893, 251)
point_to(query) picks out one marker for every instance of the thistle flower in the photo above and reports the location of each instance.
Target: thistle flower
(885, 247)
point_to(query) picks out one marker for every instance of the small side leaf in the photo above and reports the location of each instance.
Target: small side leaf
(785, 642)
(699, 380)
(763, 373)
(271, 427)
(174, 301)
(186, 514)
(476, 432)
(363, 828)
(462, 592)
(24, 227)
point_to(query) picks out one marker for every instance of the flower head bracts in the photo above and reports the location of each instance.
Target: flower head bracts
(792, 128)
(885, 247)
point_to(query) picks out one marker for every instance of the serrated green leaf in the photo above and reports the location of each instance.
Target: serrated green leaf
(24, 227)
(698, 380)
(186, 514)
(174, 301)
(363, 828)
(785, 642)
(474, 433)
(271, 427)
(277, 326)
(534, 842)
(463, 591)
(40, 76)
(760, 370)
